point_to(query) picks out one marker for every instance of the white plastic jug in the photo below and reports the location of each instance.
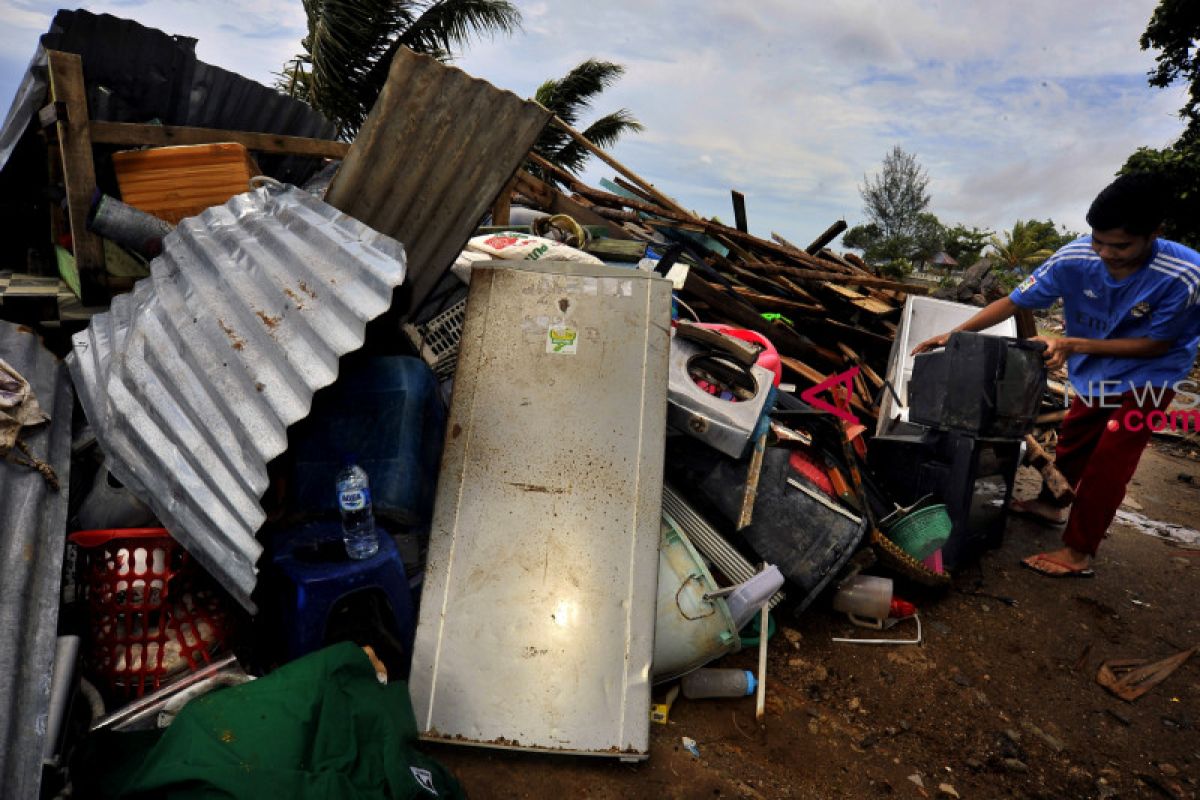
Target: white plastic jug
(865, 599)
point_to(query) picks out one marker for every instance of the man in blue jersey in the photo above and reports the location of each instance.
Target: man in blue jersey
(1130, 304)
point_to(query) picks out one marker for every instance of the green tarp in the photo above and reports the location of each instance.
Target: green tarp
(319, 727)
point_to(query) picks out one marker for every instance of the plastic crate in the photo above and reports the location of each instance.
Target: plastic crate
(149, 618)
(437, 340)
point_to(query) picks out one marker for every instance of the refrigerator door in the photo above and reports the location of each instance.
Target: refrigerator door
(536, 627)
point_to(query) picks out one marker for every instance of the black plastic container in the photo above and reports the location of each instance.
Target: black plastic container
(986, 386)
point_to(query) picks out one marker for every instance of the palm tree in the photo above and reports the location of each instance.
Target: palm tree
(1019, 249)
(350, 44)
(568, 98)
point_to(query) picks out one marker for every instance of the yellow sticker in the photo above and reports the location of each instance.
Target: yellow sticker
(562, 339)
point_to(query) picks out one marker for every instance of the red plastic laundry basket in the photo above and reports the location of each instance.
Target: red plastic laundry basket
(149, 617)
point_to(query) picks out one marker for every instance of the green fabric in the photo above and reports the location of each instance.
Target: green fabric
(319, 727)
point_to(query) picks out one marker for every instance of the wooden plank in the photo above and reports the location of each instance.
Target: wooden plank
(633, 188)
(619, 167)
(1026, 324)
(873, 306)
(844, 291)
(79, 175)
(831, 233)
(785, 243)
(815, 376)
(617, 250)
(556, 202)
(502, 208)
(837, 277)
(741, 313)
(135, 135)
(739, 211)
(1040, 460)
(769, 302)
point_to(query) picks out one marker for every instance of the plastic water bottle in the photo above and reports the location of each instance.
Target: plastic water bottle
(713, 682)
(358, 521)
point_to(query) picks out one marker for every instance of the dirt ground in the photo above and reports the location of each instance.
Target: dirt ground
(1000, 699)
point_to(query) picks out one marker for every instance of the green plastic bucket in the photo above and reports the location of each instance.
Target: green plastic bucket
(922, 532)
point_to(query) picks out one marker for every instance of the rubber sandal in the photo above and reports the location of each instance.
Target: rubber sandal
(1068, 571)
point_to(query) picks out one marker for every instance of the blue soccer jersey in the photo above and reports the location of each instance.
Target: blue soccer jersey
(1159, 301)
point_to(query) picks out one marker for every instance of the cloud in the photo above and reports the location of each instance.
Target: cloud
(1018, 109)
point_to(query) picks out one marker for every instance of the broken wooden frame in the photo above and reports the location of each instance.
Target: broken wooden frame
(74, 135)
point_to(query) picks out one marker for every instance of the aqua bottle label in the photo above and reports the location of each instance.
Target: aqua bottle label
(354, 499)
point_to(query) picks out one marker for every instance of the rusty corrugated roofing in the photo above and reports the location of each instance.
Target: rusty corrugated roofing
(33, 521)
(434, 153)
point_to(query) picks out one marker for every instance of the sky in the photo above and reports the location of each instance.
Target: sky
(1023, 109)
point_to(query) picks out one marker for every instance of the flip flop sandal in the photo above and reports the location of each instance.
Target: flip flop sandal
(1068, 571)
(1018, 508)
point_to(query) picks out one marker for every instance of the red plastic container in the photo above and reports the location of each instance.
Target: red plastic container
(149, 620)
(768, 358)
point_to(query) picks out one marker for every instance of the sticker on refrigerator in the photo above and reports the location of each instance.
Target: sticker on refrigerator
(562, 339)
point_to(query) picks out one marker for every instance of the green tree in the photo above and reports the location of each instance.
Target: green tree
(1174, 31)
(894, 198)
(569, 97)
(965, 245)
(350, 44)
(1179, 166)
(928, 238)
(1029, 243)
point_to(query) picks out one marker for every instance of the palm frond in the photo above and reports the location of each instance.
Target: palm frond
(571, 95)
(350, 45)
(603, 133)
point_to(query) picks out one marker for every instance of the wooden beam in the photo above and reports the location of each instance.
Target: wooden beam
(79, 174)
(770, 301)
(831, 233)
(554, 201)
(619, 167)
(741, 313)
(1040, 460)
(837, 277)
(815, 376)
(1026, 324)
(634, 189)
(502, 208)
(739, 211)
(135, 135)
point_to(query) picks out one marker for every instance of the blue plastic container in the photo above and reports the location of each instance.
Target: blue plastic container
(385, 414)
(321, 578)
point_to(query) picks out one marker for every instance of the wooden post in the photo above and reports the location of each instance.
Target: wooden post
(75, 144)
(739, 211)
(831, 233)
(503, 205)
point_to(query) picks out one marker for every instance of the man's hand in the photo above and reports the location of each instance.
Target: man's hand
(929, 344)
(1057, 350)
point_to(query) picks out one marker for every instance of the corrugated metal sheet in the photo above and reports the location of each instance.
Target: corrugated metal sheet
(33, 521)
(137, 74)
(191, 381)
(435, 151)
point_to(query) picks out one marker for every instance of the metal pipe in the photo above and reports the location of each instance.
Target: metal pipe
(66, 653)
(151, 702)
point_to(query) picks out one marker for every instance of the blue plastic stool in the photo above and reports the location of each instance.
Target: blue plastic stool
(313, 560)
